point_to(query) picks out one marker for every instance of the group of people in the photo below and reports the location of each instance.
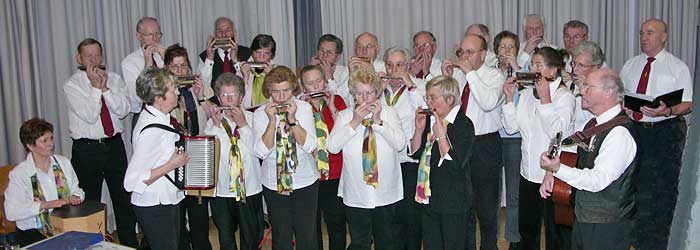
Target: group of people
(407, 150)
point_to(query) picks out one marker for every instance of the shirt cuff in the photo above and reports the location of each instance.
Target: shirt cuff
(446, 157)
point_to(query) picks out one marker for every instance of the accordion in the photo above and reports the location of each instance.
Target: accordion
(200, 171)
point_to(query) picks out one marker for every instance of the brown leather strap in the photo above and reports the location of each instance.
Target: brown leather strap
(580, 136)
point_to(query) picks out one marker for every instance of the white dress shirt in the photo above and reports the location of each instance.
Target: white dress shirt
(668, 73)
(491, 58)
(132, 65)
(251, 164)
(85, 102)
(538, 123)
(390, 140)
(306, 172)
(616, 153)
(206, 67)
(435, 69)
(152, 148)
(339, 84)
(524, 58)
(406, 107)
(485, 97)
(20, 206)
(379, 65)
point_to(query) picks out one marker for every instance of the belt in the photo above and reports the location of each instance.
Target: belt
(487, 136)
(101, 140)
(659, 123)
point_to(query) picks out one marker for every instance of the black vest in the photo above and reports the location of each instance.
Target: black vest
(616, 201)
(218, 68)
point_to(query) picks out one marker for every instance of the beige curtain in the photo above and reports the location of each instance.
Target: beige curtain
(39, 40)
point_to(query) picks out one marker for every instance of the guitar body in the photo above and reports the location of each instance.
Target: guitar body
(562, 194)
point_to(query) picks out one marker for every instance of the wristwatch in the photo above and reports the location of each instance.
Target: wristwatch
(291, 124)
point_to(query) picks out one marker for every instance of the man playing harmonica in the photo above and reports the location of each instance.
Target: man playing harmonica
(481, 100)
(219, 57)
(149, 54)
(424, 65)
(366, 51)
(98, 101)
(404, 95)
(533, 26)
(329, 50)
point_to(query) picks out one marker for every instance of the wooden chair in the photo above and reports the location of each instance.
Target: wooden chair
(5, 225)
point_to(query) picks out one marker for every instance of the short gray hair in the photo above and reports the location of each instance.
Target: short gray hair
(609, 79)
(593, 50)
(143, 20)
(531, 16)
(448, 87)
(221, 19)
(154, 82)
(392, 50)
(229, 79)
(576, 24)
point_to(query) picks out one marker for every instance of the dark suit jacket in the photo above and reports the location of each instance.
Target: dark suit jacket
(450, 183)
(218, 68)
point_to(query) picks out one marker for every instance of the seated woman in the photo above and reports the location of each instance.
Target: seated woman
(39, 184)
(238, 201)
(155, 199)
(442, 142)
(370, 137)
(285, 140)
(325, 106)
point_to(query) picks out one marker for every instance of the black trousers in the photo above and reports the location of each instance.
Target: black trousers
(602, 236)
(197, 216)
(409, 212)
(161, 225)
(228, 215)
(660, 151)
(95, 161)
(486, 164)
(293, 217)
(333, 210)
(533, 212)
(378, 224)
(443, 231)
(28, 237)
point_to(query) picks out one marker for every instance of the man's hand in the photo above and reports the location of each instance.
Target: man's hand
(662, 110)
(547, 185)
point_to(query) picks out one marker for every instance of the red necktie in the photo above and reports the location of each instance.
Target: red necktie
(590, 124)
(155, 64)
(643, 82)
(173, 122)
(227, 63)
(465, 97)
(420, 75)
(106, 119)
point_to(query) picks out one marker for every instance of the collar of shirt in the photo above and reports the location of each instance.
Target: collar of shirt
(34, 169)
(659, 56)
(450, 117)
(159, 116)
(609, 114)
(221, 51)
(554, 85)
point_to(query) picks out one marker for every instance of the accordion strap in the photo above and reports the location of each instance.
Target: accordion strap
(169, 129)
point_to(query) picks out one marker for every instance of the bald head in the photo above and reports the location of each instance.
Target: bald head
(367, 45)
(653, 36)
(602, 90)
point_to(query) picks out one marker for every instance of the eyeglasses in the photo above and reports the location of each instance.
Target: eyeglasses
(176, 67)
(506, 47)
(397, 65)
(152, 35)
(279, 91)
(575, 37)
(364, 94)
(231, 94)
(574, 64)
(586, 86)
(468, 53)
(423, 46)
(428, 98)
(368, 46)
(327, 52)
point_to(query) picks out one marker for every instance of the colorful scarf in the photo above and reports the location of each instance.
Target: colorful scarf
(321, 135)
(286, 155)
(62, 190)
(237, 185)
(370, 170)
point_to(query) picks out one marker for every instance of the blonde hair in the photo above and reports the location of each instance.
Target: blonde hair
(153, 82)
(365, 75)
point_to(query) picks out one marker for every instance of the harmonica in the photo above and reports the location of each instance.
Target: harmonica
(388, 78)
(222, 43)
(185, 81)
(527, 78)
(366, 59)
(226, 107)
(426, 111)
(256, 65)
(318, 94)
(101, 66)
(281, 106)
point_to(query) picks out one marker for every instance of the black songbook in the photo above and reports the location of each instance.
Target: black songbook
(635, 101)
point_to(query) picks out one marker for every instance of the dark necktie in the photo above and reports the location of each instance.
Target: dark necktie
(643, 83)
(155, 64)
(173, 122)
(591, 123)
(106, 119)
(420, 75)
(191, 119)
(227, 63)
(465, 97)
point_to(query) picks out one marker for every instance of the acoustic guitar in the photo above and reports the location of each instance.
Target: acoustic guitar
(562, 193)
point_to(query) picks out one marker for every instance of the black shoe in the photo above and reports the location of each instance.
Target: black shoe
(514, 246)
